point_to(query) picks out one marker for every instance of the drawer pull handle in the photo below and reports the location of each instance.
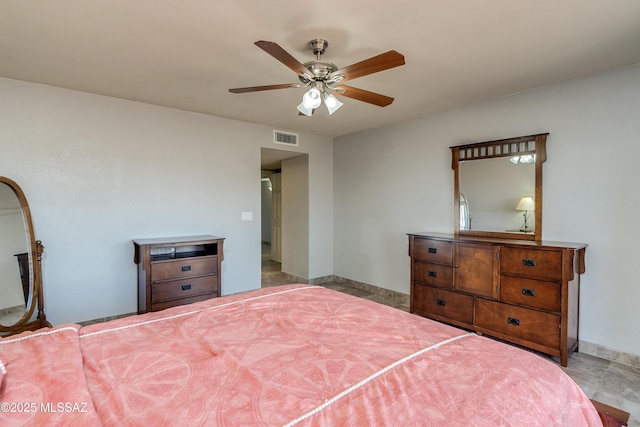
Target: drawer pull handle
(441, 302)
(432, 274)
(186, 268)
(529, 262)
(186, 287)
(528, 292)
(433, 250)
(513, 321)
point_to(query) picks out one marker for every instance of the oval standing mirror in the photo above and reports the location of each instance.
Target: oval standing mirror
(498, 187)
(20, 256)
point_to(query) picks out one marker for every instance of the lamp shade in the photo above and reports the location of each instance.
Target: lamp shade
(525, 158)
(526, 204)
(304, 110)
(311, 99)
(332, 103)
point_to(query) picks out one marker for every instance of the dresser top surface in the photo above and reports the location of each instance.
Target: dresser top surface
(177, 240)
(462, 238)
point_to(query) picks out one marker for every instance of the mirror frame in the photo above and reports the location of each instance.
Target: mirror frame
(501, 148)
(35, 259)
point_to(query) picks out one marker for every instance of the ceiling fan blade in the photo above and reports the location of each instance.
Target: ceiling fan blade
(363, 95)
(372, 65)
(283, 56)
(259, 88)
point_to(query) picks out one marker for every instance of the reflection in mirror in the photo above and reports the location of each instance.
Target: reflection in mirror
(20, 255)
(496, 186)
(14, 260)
(490, 180)
(465, 216)
(526, 205)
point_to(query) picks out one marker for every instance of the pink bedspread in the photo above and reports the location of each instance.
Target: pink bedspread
(305, 355)
(44, 382)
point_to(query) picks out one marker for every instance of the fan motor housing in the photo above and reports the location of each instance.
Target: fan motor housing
(320, 69)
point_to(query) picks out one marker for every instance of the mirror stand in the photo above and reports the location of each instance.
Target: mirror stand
(41, 318)
(20, 264)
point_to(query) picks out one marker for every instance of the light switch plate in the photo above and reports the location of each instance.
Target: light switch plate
(247, 216)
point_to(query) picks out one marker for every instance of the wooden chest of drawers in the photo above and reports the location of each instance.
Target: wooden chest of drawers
(177, 271)
(524, 292)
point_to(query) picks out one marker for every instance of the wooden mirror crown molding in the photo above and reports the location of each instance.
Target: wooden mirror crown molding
(34, 299)
(518, 146)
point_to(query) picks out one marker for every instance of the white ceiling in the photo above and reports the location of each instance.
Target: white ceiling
(186, 54)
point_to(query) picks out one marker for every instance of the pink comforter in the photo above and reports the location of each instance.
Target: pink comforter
(305, 355)
(44, 382)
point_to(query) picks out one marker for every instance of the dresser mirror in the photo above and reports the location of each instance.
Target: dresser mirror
(498, 187)
(20, 257)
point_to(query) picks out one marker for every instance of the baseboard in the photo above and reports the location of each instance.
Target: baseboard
(298, 279)
(352, 284)
(315, 281)
(321, 280)
(603, 352)
(105, 319)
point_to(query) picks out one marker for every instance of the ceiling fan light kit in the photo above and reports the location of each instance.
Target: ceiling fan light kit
(332, 103)
(322, 76)
(304, 110)
(312, 99)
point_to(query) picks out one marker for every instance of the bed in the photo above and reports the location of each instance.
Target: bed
(289, 355)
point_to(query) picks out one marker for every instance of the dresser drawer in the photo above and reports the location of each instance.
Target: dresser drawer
(433, 274)
(519, 322)
(177, 268)
(429, 250)
(535, 263)
(533, 293)
(183, 288)
(182, 301)
(450, 305)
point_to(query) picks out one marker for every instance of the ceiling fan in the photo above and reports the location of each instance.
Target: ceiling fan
(325, 79)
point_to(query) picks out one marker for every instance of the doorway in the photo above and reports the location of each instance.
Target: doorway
(271, 228)
(281, 176)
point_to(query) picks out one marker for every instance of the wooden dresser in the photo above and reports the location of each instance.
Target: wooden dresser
(177, 270)
(521, 291)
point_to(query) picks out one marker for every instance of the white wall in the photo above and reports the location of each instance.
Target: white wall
(100, 171)
(398, 179)
(321, 206)
(295, 216)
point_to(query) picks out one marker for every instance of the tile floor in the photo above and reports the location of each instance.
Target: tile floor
(11, 315)
(609, 382)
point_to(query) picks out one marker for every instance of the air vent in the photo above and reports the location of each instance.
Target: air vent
(287, 138)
